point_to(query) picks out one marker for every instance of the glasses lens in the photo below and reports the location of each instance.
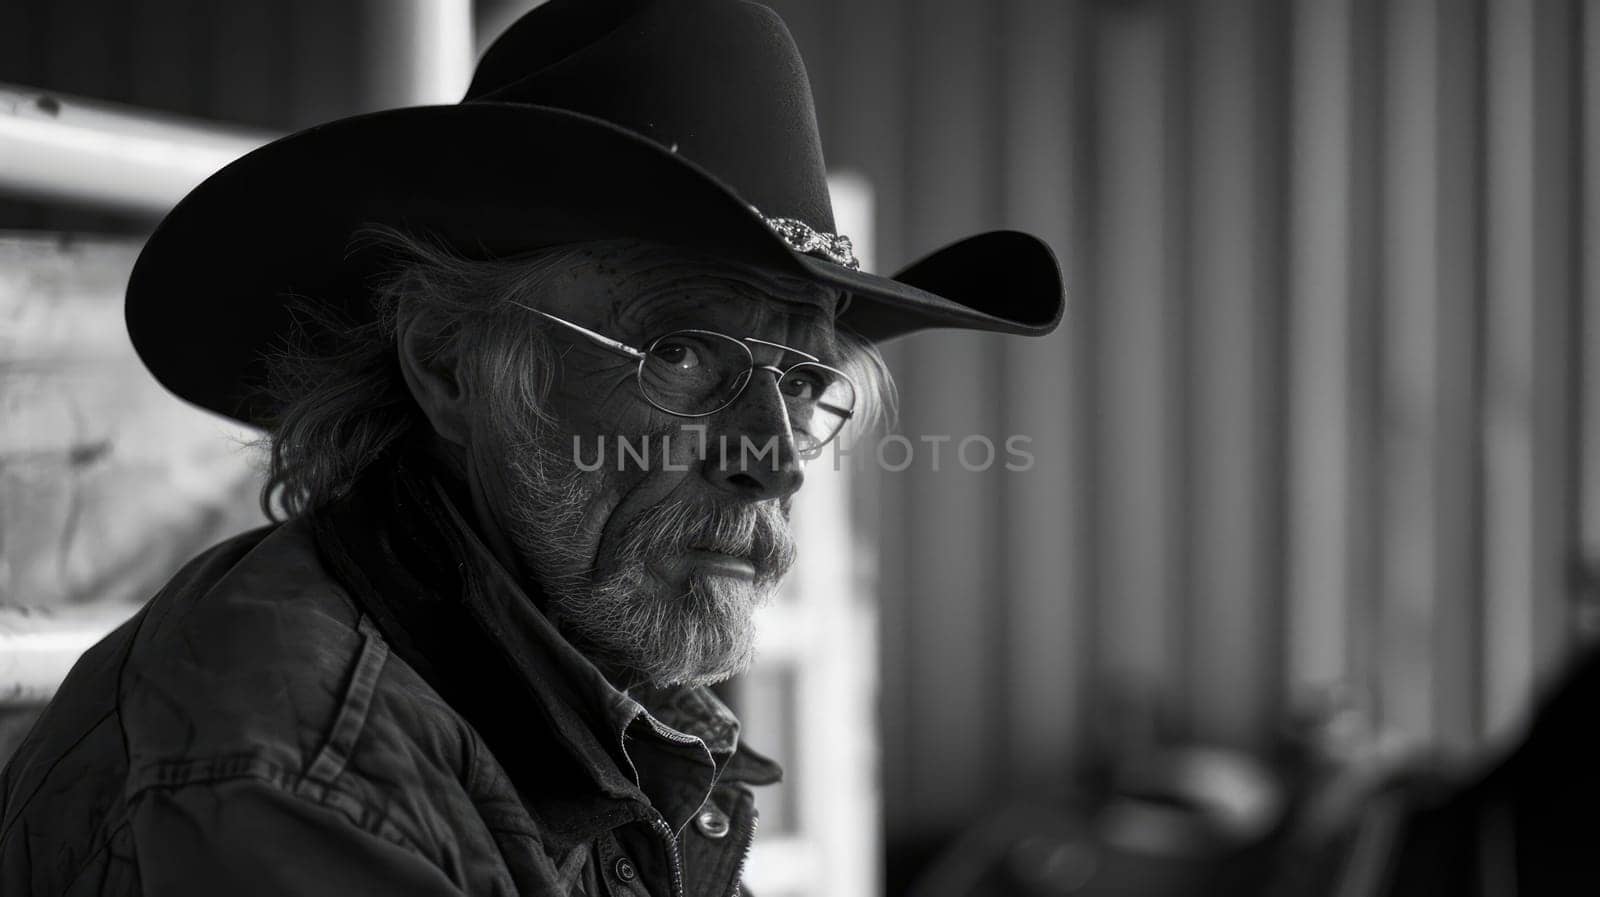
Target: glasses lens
(820, 400)
(694, 371)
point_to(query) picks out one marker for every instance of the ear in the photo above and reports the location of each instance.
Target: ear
(435, 381)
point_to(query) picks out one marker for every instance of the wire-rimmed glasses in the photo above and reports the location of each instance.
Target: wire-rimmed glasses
(696, 373)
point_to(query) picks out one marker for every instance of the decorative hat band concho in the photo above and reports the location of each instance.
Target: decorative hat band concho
(803, 238)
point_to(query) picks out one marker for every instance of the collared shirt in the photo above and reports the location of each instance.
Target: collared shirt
(667, 747)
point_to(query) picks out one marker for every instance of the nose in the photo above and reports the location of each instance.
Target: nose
(754, 455)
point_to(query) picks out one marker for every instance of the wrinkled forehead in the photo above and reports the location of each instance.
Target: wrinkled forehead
(637, 288)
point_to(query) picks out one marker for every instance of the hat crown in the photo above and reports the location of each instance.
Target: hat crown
(719, 82)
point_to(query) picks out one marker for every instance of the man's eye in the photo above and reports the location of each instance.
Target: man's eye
(802, 386)
(678, 355)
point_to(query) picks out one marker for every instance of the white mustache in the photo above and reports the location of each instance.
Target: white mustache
(756, 532)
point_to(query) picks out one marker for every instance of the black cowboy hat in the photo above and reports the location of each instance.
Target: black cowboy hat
(688, 122)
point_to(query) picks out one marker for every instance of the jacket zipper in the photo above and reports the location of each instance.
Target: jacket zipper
(738, 871)
(671, 841)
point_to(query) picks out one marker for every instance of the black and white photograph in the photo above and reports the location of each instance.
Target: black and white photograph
(799, 448)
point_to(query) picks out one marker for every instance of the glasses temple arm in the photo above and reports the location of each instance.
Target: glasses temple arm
(631, 352)
(602, 339)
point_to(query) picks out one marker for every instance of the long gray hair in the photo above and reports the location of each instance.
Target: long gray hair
(341, 397)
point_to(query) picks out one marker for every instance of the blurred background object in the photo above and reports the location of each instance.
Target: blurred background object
(1314, 484)
(107, 483)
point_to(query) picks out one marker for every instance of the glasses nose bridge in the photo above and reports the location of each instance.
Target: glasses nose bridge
(749, 343)
(777, 377)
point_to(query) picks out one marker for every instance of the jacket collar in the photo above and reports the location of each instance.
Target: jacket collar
(401, 546)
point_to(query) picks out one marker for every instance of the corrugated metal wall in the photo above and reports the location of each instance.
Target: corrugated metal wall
(1314, 425)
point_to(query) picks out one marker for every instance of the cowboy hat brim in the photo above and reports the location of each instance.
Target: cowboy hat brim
(208, 297)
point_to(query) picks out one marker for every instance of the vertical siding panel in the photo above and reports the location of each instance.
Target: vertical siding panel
(1041, 401)
(1556, 263)
(21, 62)
(863, 120)
(1136, 346)
(1230, 408)
(247, 65)
(1320, 350)
(21, 49)
(873, 58)
(866, 120)
(1457, 455)
(327, 54)
(1180, 457)
(1525, 377)
(1087, 310)
(1272, 49)
(952, 517)
(166, 43)
(1411, 310)
(1368, 526)
(1508, 398)
(1589, 445)
(81, 58)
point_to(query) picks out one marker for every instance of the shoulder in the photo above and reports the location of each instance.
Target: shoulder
(77, 743)
(243, 653)
(264, 663)
(268, 671)
(253, 668)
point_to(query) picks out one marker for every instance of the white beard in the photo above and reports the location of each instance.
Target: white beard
(628, 620)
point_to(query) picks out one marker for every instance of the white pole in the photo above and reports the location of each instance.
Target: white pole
(65, 149)
(420, 51)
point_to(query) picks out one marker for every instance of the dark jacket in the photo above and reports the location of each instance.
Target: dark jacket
(364, 702)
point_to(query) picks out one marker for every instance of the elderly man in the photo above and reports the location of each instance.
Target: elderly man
(470, 659)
